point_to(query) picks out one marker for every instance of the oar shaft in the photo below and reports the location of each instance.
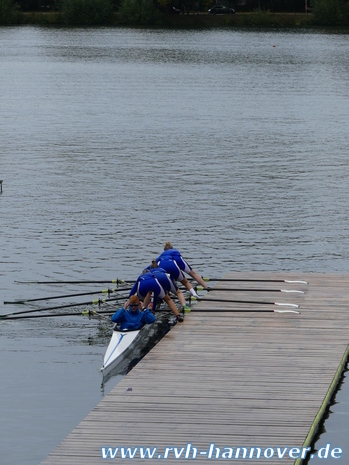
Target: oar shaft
(94, 302)
(193, 310)
(26, 317)
(228, 289)
(247, 310)
(105, 281)
(246, 302)
(255, 280)
(104, 291)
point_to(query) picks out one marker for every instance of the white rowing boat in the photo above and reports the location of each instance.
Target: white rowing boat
(125, 346)
(121, 343)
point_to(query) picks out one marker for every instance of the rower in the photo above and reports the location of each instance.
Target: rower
(130, 317)
(159, 284)
(159, 272)
(172, 262)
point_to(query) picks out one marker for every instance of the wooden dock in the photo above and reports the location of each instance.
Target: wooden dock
(233, 379)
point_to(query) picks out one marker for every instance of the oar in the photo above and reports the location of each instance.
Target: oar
(93, 302)
(110, 312)
(88, 313)
(84, 313)
(255, 280)
(105, 281)
(227, 310)
(201, 299)
(104, 291)
(208, 289)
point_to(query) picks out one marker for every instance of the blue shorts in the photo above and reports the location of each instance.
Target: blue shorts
(150, 285)
(174, 269)
(166, 281)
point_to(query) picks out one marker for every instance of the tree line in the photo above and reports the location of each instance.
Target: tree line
(134, 12)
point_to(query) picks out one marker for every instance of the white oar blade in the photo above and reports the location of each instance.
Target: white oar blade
(290, 291)
(286, 305)
(286, 311)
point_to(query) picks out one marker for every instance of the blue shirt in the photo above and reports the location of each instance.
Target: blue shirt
(170, 254)
(129, 319)
(173, 255)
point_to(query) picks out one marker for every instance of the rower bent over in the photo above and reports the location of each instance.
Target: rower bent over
(155, 269)
(173, 263)
(159, 285)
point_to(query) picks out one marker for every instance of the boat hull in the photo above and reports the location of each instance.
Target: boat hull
(127, 347)
(121, 342)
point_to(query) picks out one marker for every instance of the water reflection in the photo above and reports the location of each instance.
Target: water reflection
(334, 428)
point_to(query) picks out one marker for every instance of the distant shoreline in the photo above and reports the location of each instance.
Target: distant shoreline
(241, 20)
(196, 21)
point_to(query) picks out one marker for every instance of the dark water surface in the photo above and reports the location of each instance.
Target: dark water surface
(231, 144)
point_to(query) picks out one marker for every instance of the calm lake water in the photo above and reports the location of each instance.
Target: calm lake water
(232, 144)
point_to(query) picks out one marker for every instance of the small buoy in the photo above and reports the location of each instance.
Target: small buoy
(274, 45)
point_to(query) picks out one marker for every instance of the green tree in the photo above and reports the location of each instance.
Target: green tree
(87, 12)
(331, 12)
(140, 12)
(8, 12)
(346, 13)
